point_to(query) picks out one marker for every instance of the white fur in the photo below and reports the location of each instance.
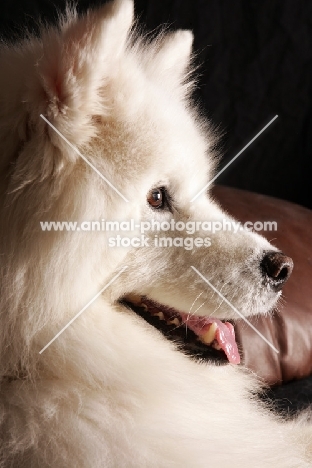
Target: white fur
(111, 391)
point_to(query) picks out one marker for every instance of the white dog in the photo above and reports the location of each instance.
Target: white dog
(111, 391)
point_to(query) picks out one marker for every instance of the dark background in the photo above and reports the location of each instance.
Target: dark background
(255, 61)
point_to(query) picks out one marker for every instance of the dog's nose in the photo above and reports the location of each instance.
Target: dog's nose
(277, 268)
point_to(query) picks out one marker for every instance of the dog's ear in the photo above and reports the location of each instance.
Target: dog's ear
(171, 57)
(73, 69)
(61, 76)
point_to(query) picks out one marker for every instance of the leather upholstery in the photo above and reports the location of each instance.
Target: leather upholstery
(289, 330)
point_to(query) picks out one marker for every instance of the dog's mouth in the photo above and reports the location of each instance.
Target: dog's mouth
(202, 336)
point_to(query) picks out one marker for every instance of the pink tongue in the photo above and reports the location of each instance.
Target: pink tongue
(225, 334)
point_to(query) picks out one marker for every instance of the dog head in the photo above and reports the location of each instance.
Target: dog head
(98, 124)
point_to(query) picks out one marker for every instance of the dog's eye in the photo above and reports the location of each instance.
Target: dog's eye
(159, 199)
(156, 198)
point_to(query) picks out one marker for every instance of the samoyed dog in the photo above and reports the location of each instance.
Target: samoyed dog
(97, 125)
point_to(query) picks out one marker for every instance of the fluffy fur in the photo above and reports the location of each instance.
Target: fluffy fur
(111, 391)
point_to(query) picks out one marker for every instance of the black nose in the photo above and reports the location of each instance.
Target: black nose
(277, 268)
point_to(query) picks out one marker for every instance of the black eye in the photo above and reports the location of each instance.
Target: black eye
(156, 198)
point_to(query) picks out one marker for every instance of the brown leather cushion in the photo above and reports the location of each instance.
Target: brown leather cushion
(289, 330)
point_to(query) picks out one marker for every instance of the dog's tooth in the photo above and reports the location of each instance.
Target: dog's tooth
(209, 336)
(216, 346)
(174, 321)
(160, 315)
(144, 306)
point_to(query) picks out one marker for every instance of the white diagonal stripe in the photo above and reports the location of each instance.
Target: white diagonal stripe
(84, 158)
(235, 310)
(233, 159)
(83, 309)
